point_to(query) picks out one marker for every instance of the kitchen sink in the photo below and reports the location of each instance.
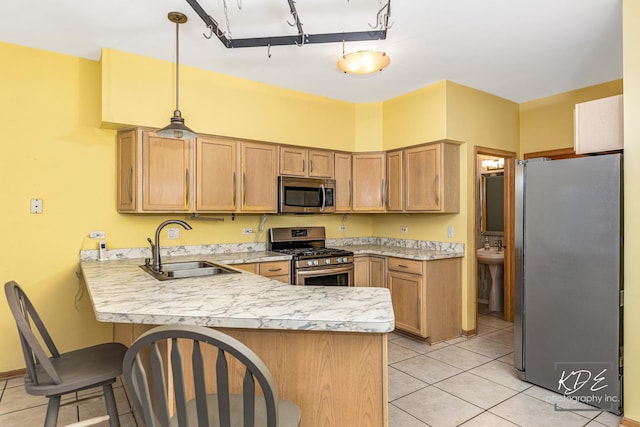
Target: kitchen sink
(182, 270)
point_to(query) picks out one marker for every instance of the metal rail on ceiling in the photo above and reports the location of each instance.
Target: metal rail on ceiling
(301, 38)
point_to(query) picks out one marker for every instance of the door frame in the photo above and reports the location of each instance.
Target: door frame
(509, 219)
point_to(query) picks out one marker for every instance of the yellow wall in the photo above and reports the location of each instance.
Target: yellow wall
(63, 156)
(140, 91)
(368, 123)
(547, 123)
(631, 74)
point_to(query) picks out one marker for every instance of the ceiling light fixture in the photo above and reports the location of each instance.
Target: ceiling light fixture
(363, 62)
(177, 129)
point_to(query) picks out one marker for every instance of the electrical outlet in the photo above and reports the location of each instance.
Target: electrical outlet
(404, 229)
(342, 227)
(248, 231)
(36, 206)
(173, 233)
(450, 231)
(97, 234)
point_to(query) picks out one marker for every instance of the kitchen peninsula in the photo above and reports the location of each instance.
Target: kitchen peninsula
(326, 347)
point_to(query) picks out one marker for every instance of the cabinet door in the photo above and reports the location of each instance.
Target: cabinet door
(293, 161)
(216, 177)
(259, 177)
(321, 164)
(598, 125)
(127, 171)
(343, 182)
(377, 272)
(368, 182)
(395, 188)
(276, 270)
(423, 178)
(408, 300)
(361, 271)
(166, 179)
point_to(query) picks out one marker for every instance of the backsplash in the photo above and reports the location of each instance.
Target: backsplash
(402, 243)
(145, 252)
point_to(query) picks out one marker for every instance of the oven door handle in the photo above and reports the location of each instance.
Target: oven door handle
(324, 197)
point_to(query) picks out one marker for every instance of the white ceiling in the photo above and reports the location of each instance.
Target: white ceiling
(517, 49)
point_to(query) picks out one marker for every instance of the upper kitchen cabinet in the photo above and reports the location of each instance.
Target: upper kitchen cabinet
(259, 168)
(432, 178)
(343, 182)
(395, 181)
(598, 125)
(368, 182)
(216, 174)
(154, 173)
(311, 163)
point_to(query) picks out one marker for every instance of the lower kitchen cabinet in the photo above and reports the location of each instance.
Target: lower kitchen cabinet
(369, 271)
(275, 270)
(426, 296)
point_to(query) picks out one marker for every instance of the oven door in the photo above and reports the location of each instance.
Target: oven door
(324, 276)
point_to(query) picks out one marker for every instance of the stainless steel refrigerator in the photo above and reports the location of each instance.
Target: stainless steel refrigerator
(569, 287)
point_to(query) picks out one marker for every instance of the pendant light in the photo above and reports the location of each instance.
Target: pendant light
(177, 129)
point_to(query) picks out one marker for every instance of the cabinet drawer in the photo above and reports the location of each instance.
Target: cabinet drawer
(271, 269)
(404, 265)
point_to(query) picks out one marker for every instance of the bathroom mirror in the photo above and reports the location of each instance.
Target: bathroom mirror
(492, 195)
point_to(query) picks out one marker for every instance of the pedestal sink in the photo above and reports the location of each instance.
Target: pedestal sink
(494, 259)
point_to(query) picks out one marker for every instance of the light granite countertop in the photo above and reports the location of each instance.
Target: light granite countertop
(121, 292)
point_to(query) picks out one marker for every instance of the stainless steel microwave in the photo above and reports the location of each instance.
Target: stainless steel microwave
(306, 195)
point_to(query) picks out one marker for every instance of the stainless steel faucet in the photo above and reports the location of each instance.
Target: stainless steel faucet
(499, 245)
(155, 247)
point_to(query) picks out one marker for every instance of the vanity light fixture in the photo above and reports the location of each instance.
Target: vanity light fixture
(363, 62)
(493, 163)
(177, 129)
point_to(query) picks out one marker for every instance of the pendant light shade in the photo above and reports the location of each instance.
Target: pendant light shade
(177, 129)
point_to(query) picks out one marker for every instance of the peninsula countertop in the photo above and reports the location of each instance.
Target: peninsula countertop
(121, 292)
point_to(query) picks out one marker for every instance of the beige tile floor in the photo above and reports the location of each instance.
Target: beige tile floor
(461, 382)
(472, 383)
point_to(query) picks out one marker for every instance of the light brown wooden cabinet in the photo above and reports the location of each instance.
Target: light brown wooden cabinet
(368, 178)
(155, 174)
(304, 162)
(395, 181)
(259, 170)
(426, 296)
(216, 174)
(344, 194)
(369, 271)
(598, 125)
(276, 270)
(432, 178)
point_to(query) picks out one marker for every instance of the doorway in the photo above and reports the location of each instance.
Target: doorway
(508, 212)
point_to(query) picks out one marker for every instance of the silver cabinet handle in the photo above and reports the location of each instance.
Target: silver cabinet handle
(382, 193)
(244, 189)
(234, 189)
(129, 191)
(273, 270)
(186, 193)
(438, 190)
(303, 165)
(350, 194)
(311, 166)
(403, 266)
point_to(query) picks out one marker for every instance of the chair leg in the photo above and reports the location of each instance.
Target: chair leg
(110, 402)
(51, 419)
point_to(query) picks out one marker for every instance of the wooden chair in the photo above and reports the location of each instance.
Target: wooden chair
(144, 373)
(58, 374)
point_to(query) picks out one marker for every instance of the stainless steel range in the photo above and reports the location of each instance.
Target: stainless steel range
(312, 262)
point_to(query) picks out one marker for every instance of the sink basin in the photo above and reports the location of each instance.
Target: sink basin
(491, 256)
(181, 270)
